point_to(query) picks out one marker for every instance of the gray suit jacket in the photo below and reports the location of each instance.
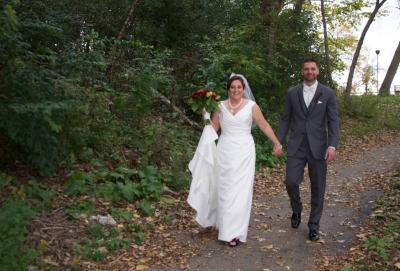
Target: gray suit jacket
(319, 122)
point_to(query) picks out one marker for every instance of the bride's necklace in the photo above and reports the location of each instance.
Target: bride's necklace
(233, 108)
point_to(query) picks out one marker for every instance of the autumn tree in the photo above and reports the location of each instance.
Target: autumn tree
(378, 5)
(390, 74)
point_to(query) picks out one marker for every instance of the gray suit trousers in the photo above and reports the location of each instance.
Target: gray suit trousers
(294, 176)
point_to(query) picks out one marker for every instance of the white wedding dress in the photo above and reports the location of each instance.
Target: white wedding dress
(224, 197)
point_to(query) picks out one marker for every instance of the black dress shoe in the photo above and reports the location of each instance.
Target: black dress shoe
(313, 235)
(295, 220)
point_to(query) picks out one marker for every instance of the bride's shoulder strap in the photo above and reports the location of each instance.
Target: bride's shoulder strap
(252, 103)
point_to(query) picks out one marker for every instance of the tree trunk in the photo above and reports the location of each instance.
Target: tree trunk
(371, 18)
(298, 7)
(387, 82)
(327, 60)
(176, 109)
(121, 34)
(128, 20)
(270, 10)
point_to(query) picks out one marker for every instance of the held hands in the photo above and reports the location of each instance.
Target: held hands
(277, 151)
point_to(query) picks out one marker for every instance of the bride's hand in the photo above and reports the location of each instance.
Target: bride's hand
(206, 115)
(277, 151)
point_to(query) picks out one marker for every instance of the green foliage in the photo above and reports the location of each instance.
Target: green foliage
(169, 149)
(166, 219)
(365, 106)
(121, 214)
(37, 195)
(57, 105)
(97, 231)
(130, 191)
(79, 183)
(102, 241)
(145, 208)
(87, 252)
(5, 179)
(380, 249)
(264, 146)
(19, 204)
(139, 237)
(80, 208)
(121, 184)
(150, 183)
(137, 233)
(70, 91)
(396, 184)
(377, 246)
(375, 112)
(15, 215)
(117, 243)
(32, 102)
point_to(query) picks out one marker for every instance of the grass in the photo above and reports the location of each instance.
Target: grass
(369, 114)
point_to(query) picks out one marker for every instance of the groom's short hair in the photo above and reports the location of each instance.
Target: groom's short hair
(308, 60)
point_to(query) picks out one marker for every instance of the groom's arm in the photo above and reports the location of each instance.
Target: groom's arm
(285, 120)
(333, 121)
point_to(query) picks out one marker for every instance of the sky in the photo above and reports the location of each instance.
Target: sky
(383, 35)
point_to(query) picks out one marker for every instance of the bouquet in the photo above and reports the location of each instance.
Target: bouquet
(204, 100)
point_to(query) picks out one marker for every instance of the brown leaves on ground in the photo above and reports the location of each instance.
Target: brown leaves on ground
(174, 242)
(381, 217)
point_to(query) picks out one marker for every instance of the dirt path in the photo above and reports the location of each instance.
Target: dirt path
(274, 245)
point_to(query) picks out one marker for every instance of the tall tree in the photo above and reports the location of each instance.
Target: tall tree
(270, 10)
(378, 5)
(387, 82)
(327, 61)
(298, 6)
(121, 35)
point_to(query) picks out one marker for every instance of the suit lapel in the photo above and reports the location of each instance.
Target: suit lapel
(301, 99)
(317, 95)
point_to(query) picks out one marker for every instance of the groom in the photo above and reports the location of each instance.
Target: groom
(311, 116)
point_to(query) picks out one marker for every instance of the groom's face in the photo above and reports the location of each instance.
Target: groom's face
(310, 71)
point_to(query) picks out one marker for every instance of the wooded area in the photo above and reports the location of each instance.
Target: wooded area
(103, 86)
(83, 79)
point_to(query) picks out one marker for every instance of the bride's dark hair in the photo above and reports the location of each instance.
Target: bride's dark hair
(233, 78)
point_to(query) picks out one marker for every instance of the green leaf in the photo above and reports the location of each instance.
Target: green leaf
(5, 179)
(122, 214)
(146, 208)
(130, 190)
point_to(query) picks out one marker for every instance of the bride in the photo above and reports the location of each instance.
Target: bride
(222, 177)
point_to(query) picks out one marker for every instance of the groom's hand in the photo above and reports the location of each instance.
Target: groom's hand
(330, 154)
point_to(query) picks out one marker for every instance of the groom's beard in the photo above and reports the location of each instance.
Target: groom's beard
(310, 78)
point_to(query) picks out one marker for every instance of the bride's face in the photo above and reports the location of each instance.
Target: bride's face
(236, 90)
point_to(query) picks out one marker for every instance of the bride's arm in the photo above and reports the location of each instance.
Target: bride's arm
(266, 128)
(215, 120)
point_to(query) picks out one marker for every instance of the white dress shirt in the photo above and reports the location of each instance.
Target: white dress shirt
(309, 92)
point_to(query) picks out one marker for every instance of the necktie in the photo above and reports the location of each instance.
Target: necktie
(307, 95)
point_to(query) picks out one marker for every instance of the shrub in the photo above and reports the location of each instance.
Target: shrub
(15, 215)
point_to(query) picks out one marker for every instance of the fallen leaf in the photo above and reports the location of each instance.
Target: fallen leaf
(280, 262)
